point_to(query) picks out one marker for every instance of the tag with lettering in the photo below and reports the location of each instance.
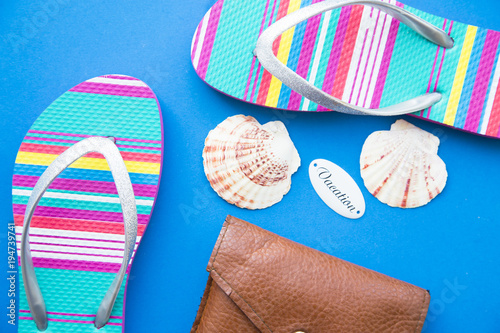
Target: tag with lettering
(337, 188)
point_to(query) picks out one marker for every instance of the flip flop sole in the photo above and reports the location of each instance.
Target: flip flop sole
(77, 231)
(356, 54)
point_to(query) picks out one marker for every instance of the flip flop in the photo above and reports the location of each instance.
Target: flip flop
(312, 55)
(95, 152)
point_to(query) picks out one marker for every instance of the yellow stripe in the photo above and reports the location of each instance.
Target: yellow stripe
(458, 82)
(283, 53)
(87, 163)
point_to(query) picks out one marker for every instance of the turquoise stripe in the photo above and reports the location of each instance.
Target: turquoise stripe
(412, 61)
(73, 292)
(293, 58)
(325, 53)
(489, 88)
(85, 174)
(102, 115)
(227, 51)
(470, 78)
(80, 204)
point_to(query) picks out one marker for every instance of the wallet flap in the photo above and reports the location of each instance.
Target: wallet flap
(282, 286)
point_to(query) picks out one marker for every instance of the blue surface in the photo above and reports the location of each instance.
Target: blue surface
(449, 246)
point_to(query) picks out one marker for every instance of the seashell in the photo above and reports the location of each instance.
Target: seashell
(401, 167)
(248, 164)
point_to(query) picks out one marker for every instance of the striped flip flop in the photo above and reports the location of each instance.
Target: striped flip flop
(99, 146)
(300, 55)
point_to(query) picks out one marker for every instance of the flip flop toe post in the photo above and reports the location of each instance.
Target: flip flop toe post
(85, 183)
(356, 57)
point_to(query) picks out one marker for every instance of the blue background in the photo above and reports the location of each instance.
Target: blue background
(449, 246)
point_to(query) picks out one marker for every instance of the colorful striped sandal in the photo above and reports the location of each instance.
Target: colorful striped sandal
(84, 186)
(360, 57)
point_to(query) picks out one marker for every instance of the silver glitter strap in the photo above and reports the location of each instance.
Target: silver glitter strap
(106, 147)
(263, 51)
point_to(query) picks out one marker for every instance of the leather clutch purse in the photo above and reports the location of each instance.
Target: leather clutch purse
(261, 282)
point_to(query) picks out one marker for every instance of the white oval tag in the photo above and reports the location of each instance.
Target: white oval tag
(337, 188)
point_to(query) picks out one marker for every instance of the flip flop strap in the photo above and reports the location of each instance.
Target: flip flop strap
(263, 51)
(108, 149)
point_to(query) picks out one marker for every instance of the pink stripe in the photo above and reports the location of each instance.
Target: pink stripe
(196, 39)
(435, 86)
(253, 60)
(252, 97)
(305, 56)
(92, 186)
(71, 321)
(208, 43)
(113, 89)
(121, 77)
(77, 265)
(75, 238)
(79, 254)
(74, 141)
(257, 75)
(88, 136)
(442, 59)
(439, 70)
(139, 147)
(249, 79)
(482, 81)
(376, 56)
(386, 61)
(71, 245)
(71, 314)
(334, 59)
(494, 122)
(432, 71)
(368, 58)
(433, 68)
(78, 214)
(264, 17)
(359, 63)
(435, 62)
(80, 315)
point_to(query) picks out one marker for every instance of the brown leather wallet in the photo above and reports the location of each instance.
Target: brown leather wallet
(261, 282)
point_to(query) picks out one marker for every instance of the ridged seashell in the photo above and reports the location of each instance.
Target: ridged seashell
(401, 167)
(249, 164)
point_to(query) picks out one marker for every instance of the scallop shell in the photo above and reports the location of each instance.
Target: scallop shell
(401, 167)
(249, 164)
